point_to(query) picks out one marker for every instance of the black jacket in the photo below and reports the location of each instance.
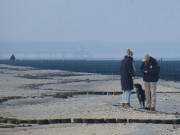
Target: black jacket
(152, 68)
(127, 72)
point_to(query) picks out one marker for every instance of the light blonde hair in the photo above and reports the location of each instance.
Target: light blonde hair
(129, 53)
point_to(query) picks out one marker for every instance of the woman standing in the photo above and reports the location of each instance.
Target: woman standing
(127, 77)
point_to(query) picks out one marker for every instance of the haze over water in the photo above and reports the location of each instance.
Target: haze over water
(94, 28)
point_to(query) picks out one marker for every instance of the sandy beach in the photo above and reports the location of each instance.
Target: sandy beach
(34, 94)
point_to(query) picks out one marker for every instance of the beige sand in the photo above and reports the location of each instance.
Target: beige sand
(34, 86)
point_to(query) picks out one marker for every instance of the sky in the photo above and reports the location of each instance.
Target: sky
(139, 22)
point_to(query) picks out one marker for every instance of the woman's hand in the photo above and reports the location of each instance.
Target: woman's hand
(145, 72)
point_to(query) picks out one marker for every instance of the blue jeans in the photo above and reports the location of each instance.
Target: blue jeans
(126, 96)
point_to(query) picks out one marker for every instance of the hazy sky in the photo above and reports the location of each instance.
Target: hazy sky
(113, 22)
(86, 20)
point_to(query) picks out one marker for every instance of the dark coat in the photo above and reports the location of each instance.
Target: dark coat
(127, 72)
(152, 68)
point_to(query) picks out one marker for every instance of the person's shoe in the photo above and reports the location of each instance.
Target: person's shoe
(127, 105)
(147, 108)
(152, 109)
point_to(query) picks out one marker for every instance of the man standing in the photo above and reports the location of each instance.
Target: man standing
(150, 70)
(12, 59)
